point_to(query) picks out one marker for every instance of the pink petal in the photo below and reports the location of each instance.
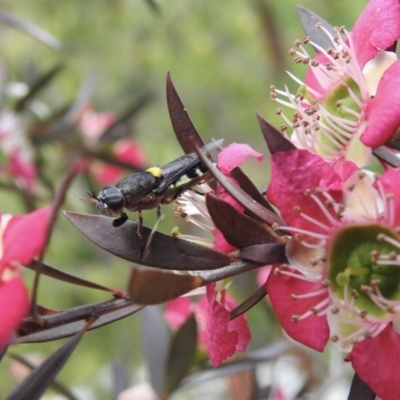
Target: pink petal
(105, 174)
(312, 331)
(128, 151)
(221, 341)
(295, 172)
(312, 82)
(344, 168)
(263, 274)
(383, 111)
(238, 325)
(14, 306)
(24, 237)
(220, 243)
(94, 124)
(22, 169)
(201, 313)
(377, 360)
(390, 183)
(177, 311)
(377, 28)
(233, 155)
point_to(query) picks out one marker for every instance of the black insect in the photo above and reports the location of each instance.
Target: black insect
(158, 185)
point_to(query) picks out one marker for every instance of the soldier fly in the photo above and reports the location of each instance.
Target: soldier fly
(156, 186)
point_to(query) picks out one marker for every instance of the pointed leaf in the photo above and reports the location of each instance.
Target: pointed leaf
(55, 273)
(41, 82)
(250, 302)
(181, 354)
(154, 287)
(386, 155)
(266, 254)
(124, 242)
(308, 20)
(275, 140)
(68, 322)
(33, 386)
(156, 343)
(238, 229)
(237, 268)
(248, 186)
(243, 198)
(359, 390)
(184, 129)
(54, 385)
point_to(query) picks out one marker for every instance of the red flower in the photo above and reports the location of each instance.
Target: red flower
(343, 279)
(217, 333)
(14, 143)
(92, 125)
(22, 237)
(347, 104)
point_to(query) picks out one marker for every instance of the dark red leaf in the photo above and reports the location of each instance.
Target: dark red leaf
(181, 354)
(238, 229)
(248, 186)
(124, 242)
(55, 273)
(58, 387)
(243, 198)
(266, 254)
(68, 322)
(359, 390)
(275, 140)
(149, 287)
(184, 129)
(257, 296)
(33, 386)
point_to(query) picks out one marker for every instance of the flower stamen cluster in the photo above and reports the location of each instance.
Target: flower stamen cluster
(329, 114)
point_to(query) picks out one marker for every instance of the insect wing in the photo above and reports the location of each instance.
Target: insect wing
(180, 166)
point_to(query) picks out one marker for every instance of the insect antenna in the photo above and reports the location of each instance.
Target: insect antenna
(92, 199)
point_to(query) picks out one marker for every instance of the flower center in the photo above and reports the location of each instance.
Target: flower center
(364, 269)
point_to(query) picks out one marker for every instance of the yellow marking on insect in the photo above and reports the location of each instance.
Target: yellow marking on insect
(155, 171)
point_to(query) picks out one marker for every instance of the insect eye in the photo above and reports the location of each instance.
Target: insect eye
(113, 198)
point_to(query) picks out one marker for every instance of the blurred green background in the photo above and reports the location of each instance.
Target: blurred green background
(223, 56)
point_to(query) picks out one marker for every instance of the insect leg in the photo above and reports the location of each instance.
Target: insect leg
(149, 239)
(120, 221)
(139, 231)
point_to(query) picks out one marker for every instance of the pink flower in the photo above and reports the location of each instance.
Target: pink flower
(224, 336)
(92, 126)
(192, 205)
(343, 278)
(22, 237)
(216, 332)
(347, 105)
(15, 145)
